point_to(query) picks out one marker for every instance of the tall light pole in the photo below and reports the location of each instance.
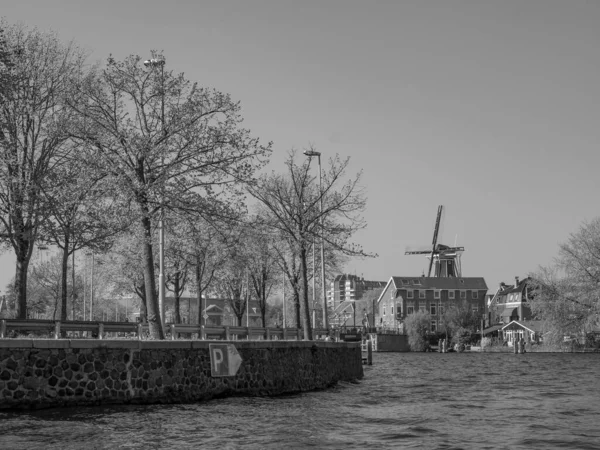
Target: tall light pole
(91, 308)
(310, 154)
(283, 280)
(160, 62)
(313, 287)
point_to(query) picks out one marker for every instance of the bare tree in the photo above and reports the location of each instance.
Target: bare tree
(38, 73)
(294, 200)
(83, 214)
(176, 282)
(287, 259)
(262, 266)
(460, 321)
(167, 144)
(201, 248)
(567, 294)
(125, 262)
(233, 284)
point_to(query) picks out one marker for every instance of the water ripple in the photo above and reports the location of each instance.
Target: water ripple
(433, 401)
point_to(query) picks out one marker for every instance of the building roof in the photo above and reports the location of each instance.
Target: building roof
(450, 283)
(531, 325)
(477, 283)
(512, 288)
(492, 329)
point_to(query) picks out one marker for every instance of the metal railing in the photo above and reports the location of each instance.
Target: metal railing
(98, 330)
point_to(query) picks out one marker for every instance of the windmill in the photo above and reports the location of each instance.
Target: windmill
(445, 259)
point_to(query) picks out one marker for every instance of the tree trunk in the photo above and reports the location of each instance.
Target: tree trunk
(263, 310)
(63, 281)
(23, 254)
(141, 292)
(177, 293)
(306, 309)
(154, 319)
(201, 307)
(263, 299)
(296, 300)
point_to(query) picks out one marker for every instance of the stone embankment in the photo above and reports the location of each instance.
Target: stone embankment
(36, 373)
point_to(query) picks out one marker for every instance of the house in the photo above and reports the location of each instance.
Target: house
(405, 295)
(509, 313)
(529, 330)
(510, 302)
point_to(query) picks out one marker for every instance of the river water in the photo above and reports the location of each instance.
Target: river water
(406, 400)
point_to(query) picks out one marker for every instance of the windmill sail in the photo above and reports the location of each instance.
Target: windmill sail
(443, 260)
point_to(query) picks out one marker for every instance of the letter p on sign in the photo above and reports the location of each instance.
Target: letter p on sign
(224, 360)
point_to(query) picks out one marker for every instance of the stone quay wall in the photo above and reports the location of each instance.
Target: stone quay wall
(39, 373)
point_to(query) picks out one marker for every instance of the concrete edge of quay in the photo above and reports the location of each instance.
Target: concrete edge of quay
(44, 373)
(164, 344)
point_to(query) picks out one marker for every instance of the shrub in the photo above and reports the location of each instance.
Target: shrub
(417, 327)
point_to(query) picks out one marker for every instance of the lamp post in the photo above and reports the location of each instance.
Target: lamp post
(284, 321)
(91, 308)
(160, 62)
(310, 154)
(313, 287)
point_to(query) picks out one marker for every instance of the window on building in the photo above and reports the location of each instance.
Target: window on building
(475, 308)
(422, 306)
(510, 298)
(416, 282)
(441, 309)
(410, 309)
(409, 294)
(436, 294)
(392, 294)
(405, 282)
(384, 310)
(474, 294)
(392, 310)
(463, 294)
(432, 309)
(421, 294)
(433, 326)
(451, 295)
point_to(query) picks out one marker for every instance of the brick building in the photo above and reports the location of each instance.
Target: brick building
(405, 295)
(509, 313)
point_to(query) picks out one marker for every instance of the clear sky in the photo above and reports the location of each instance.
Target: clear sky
(490, 108)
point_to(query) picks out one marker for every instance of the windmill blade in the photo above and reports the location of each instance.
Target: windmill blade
(435, 237)
(452, 249)
(419, 252)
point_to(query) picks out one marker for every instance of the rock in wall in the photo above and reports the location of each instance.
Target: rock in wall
(46, 373)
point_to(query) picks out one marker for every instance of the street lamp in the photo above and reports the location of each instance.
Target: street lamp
(91, 308)
(283, 281)
(310, 154)
(160, 62)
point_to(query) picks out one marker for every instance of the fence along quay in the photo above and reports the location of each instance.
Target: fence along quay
(39, 373)
(99, 329)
